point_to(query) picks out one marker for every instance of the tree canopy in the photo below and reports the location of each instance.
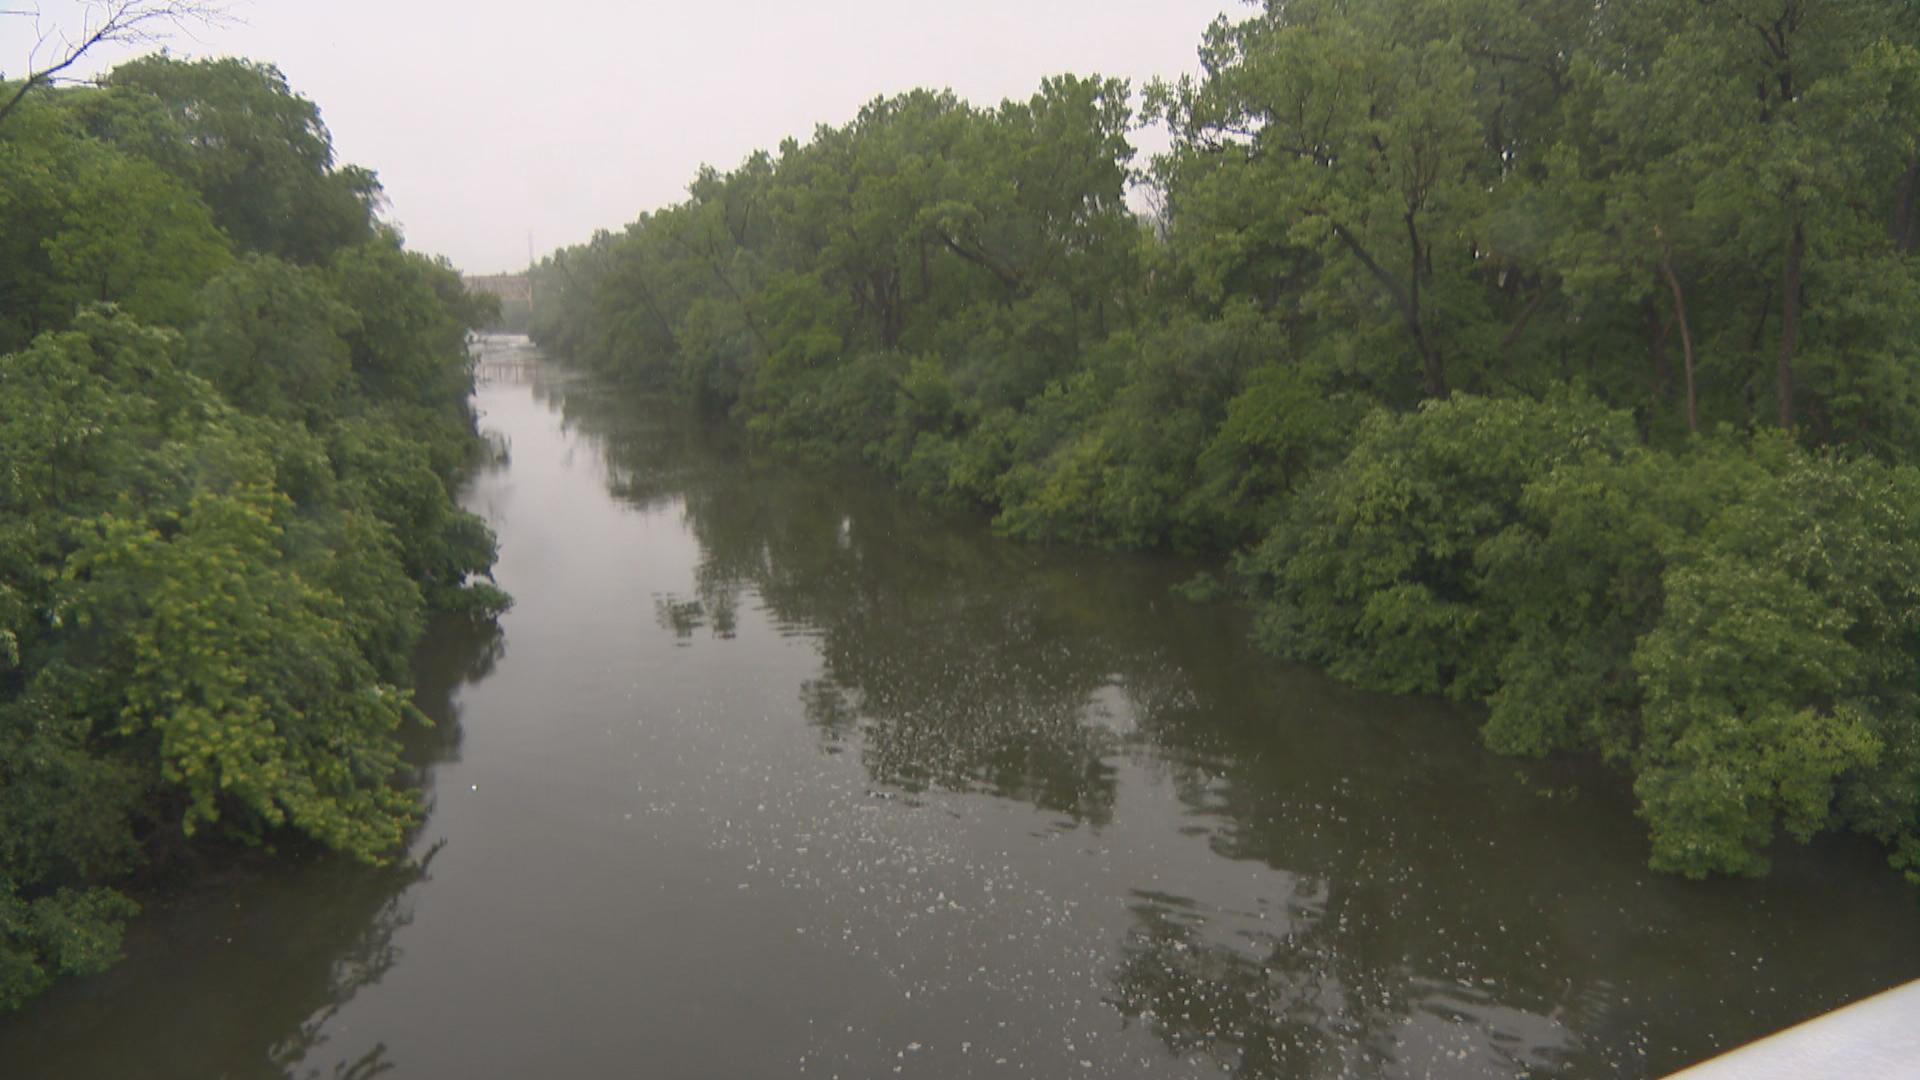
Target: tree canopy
(1553, 355)
(236, 409)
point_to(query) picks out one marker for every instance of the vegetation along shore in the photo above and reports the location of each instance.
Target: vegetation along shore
(1555, 356)
(235, 409)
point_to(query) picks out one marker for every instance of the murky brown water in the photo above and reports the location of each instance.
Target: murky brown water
(774, 773)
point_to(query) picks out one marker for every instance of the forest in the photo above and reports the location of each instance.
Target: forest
(235, 410)
(1554, 356)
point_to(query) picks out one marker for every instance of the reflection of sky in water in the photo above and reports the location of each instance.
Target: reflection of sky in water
(777, 774)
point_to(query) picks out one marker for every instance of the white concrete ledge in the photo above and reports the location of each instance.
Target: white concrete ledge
(1875, 1039)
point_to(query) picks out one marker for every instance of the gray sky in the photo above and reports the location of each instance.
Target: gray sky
(488, 120)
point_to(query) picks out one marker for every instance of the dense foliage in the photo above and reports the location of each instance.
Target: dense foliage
(1552, 354)
(233, 410)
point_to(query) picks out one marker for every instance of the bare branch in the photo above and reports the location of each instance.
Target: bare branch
(109, 22)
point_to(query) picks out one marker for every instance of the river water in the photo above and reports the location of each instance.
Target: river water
(772, 772)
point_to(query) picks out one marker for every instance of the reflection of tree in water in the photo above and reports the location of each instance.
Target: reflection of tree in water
(365, 960)
(684, 617)
(244, 977)
(1405, 931)
(1441, 911)
(456, 652)
(951, 676)
(960, 665)
(1242, 1004)
(831, 712)
(650, 449)
(1445, 917)
(1301, 1002)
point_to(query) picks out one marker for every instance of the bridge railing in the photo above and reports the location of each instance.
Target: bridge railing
(1875, 1039)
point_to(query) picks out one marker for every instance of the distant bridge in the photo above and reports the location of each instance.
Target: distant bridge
(515, 293)
(508, 371)
(507, 287)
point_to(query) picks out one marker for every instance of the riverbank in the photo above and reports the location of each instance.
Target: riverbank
(1476, 335)
(777, 750)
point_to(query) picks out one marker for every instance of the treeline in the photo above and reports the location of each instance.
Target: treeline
(232, 412)
(1558, 355)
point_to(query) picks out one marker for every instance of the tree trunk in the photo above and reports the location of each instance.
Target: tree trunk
(1763, 307)
(1686, 339)
(888, 306)
(1433, 371)
(1905, 193)
(1658, 331)
(1789, 323)
(653, 308)
(980, 258)
(1526, 316)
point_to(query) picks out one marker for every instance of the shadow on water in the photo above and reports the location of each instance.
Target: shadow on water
(1418, 906)
(240, 977)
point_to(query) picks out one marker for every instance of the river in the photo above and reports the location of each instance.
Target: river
(772, 772)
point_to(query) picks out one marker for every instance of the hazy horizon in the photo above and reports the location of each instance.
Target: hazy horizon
(493, 132)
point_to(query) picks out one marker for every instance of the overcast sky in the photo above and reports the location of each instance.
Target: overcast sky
(489, 121)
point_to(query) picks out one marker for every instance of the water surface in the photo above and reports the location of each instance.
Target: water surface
(772, 772)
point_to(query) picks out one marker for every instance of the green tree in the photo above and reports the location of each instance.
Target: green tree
(260, 158)
(81, 223)
(225, 495)
(273, 337)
